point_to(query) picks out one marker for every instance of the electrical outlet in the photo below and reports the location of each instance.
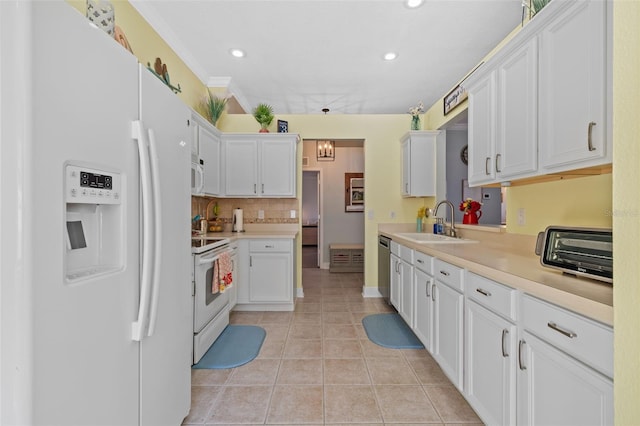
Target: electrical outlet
(522, 219)
(293, 214)
(260, 214)
(370, 215)
(392, 214)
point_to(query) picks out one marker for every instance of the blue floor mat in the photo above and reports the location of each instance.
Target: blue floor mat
(390, 331)
(236, 345)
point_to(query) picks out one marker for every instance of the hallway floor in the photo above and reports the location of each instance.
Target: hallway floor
(317, 367)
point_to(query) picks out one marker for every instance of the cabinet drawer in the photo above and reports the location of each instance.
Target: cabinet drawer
(406, 254)
(448, 274)
(492, 295)
(269, 245)
(424, 262)
(580, 337)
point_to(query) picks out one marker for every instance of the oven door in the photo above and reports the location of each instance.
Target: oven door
(206, 304)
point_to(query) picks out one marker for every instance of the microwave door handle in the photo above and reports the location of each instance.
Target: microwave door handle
(157, 221)
(137, 328)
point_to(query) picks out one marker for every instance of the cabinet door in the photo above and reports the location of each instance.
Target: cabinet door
(423, 326)
(490, 373)
(448, 332)
(406, 167)
(554, 388)
(418, 164)
(241, 168)
(209, 145)
(270, 277)
(278, 161)
(573, 89)
(517, 126)
(394, 281)
(406, 294)
(482, 130)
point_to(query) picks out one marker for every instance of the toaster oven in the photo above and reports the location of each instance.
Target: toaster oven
(586, 252)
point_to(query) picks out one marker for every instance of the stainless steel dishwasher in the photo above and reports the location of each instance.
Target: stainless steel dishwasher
(384, 251)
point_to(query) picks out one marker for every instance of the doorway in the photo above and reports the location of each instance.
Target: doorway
(311, 223)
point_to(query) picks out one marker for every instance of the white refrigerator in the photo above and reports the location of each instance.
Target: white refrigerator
(95, 228)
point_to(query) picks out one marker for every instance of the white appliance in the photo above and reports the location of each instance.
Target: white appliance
(197, 175)
(210, 310)
(96, 308)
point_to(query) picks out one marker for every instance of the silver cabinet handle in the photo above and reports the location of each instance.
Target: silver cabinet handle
(445, 273)
(570, 334)
(521, 364)
(589, 133)
(406, 188)
(486, 165)
(497, 167)
(250, 261)
(419, 261)
(428, 285)
(505, 332)
(263, 188)
(483, 292)
(255, 188)
(268, 246)
(433, 292)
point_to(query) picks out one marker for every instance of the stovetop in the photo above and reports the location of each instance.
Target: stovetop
(202, 244)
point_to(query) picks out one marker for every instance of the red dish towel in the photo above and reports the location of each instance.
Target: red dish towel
(222, 277)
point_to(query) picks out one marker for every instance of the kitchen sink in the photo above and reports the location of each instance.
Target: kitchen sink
(425, 238)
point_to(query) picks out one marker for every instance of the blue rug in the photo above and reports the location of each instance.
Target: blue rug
(236, 345)
(390, 331)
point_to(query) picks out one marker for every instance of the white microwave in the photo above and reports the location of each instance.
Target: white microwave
(197, 175)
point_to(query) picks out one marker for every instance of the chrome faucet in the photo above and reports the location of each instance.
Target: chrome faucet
(452, 229)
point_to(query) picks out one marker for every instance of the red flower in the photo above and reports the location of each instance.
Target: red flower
(470, 205)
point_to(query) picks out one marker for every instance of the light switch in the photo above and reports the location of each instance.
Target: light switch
(370, 215)
(392, 214)
(522, 219)
(260, 214)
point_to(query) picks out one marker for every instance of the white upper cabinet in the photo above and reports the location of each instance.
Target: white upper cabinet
(260, 165)
(503, 142)
(209, 144)
(541, 104)
(419, 164)
(573, 89)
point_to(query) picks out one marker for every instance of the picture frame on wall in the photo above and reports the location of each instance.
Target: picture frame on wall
(354, 192)
(283, 126)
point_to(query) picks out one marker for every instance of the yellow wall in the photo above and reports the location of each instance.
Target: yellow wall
(147, 45)
(626, 210)
(584, 201)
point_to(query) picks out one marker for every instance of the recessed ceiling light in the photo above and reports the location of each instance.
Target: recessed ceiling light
(390, 56)
(412, 4)
(238, 53)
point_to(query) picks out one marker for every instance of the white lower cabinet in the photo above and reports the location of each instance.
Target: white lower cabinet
(268, 282)
(490, 365)
(555, 388)
(448, 322)
(423, 327)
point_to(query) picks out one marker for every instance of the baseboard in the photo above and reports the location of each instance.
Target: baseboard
(370, 292)
(325, 265)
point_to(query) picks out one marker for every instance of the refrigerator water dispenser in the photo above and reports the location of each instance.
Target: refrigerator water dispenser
(93, 222)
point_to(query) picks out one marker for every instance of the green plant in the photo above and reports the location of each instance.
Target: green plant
(538, 5)
(263, 113)
(214, 107)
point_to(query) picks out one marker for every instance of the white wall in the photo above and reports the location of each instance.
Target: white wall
(338, 226)
(309, 198)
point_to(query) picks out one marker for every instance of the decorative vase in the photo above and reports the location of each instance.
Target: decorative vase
(419, 224)
(415, 122)
(264, 130)
(471, 218)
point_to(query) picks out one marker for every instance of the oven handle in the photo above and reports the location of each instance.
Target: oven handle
(212, 258)
(138, 327)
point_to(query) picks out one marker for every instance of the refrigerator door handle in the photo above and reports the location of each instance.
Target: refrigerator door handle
(157, 222)
(138, 327)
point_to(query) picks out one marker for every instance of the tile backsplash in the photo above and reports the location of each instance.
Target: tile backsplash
(276, 210)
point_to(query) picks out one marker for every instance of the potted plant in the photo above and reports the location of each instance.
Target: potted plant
(213, 107)
(263, 113)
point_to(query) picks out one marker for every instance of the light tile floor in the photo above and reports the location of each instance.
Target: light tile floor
(317, 367)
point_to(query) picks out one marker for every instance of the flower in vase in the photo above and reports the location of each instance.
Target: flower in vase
(469, 206)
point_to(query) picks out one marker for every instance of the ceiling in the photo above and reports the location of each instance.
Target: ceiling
(306, 55)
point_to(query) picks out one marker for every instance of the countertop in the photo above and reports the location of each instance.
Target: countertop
(258, 231)
(510, 259)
